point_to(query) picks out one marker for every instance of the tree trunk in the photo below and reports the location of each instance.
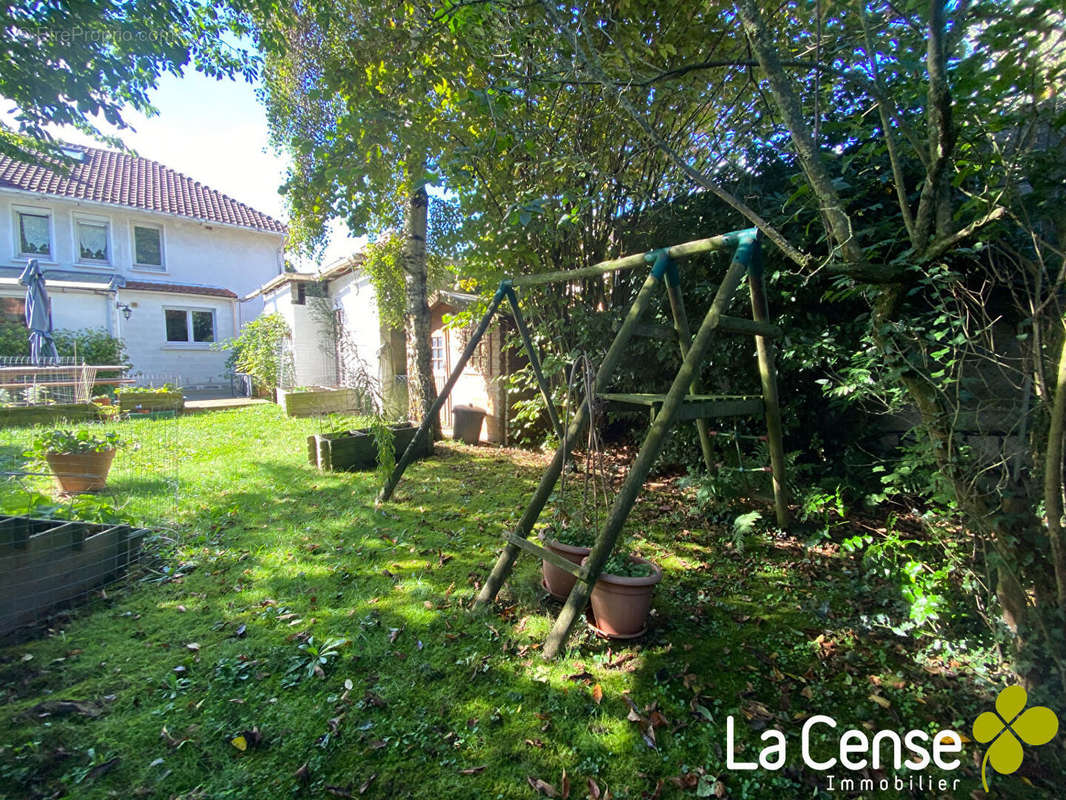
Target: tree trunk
(421, 388)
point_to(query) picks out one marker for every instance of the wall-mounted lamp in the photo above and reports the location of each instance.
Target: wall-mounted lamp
(125, 309)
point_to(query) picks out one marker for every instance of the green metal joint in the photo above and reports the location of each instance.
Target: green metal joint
(653, 256)
(662, 264)
(673, 275)
(748, 250)
(506, 287)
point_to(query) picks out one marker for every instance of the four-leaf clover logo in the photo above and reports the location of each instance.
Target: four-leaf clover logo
(1008, 726)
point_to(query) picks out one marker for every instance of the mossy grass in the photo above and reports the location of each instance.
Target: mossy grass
(267, 564)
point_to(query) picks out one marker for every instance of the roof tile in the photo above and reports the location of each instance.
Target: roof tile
(120, 179)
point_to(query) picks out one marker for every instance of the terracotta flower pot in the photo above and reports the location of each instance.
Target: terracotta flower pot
(81, 472)
(559, 582)
(620, 604)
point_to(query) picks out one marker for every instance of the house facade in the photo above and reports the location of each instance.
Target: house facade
(148, 254)
(337, 339)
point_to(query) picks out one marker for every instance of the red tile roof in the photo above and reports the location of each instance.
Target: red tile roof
(178, 288)
(105, 176)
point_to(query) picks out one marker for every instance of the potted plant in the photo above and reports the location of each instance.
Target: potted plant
(80, 461)
(571, 540)
(621, 598)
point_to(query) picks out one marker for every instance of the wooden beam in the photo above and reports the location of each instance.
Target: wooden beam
(629, 262)
(768, 376)
(542, 552)
(750, 327)
(646, 458)
(610, 362)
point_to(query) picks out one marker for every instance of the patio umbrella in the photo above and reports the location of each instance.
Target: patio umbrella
(38, 312)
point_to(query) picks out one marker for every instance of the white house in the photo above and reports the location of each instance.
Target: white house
(149, 254)
(336, 334)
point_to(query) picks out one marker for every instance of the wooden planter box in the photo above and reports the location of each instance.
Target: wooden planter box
(356, 450)
(45, 563)
(131, 402)
(310, 403)
(17, 416)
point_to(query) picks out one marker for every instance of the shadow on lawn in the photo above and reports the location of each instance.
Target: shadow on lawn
(769, 635)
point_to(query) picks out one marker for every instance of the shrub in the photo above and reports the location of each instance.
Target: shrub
(257, 351)
(91, 345)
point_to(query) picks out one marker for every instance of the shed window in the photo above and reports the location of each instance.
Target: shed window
(436, 351)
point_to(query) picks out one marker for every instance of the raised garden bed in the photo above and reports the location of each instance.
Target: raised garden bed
(309, 402)
(133, 402)
(19, 416)
(45, 563)
(356, 450)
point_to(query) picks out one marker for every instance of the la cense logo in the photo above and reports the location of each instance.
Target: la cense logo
(1003, 732)
(1005, 729)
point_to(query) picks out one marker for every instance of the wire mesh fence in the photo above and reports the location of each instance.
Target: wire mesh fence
(75, 529)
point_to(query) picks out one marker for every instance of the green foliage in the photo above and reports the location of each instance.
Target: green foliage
(624, 564)
(19, 501)
(385, 441)
(85, 65)
(257, 351)
(919, 570)
(89, 345)
(166, 388)
(571, 532)
(68, 441)
(313, 660)
(383, 264)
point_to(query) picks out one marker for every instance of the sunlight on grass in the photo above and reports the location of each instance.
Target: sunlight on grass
(276, 559)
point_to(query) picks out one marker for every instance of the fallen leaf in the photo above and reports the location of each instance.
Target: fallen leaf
(542, 787)
(100, 769)
(597, 693)
(303, 774)
(366, 784)
(881, 701)
(242, 629)
(473, 770)
(565, 786)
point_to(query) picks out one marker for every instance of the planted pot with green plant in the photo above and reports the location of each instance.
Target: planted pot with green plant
(79, 460)
(573, 541)
(621, 598)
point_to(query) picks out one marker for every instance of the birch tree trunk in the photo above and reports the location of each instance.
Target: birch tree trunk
(422, 390)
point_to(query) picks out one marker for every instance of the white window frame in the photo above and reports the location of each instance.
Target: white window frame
(443, 359)
(16, 232)
(188, 311)
(162, 247)
(76, 246)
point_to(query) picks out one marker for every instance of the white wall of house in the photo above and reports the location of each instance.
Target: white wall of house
(192, 363)
(314, 365)
(194, 253)
(354, 295)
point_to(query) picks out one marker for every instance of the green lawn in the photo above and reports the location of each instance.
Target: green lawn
(427, 699)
